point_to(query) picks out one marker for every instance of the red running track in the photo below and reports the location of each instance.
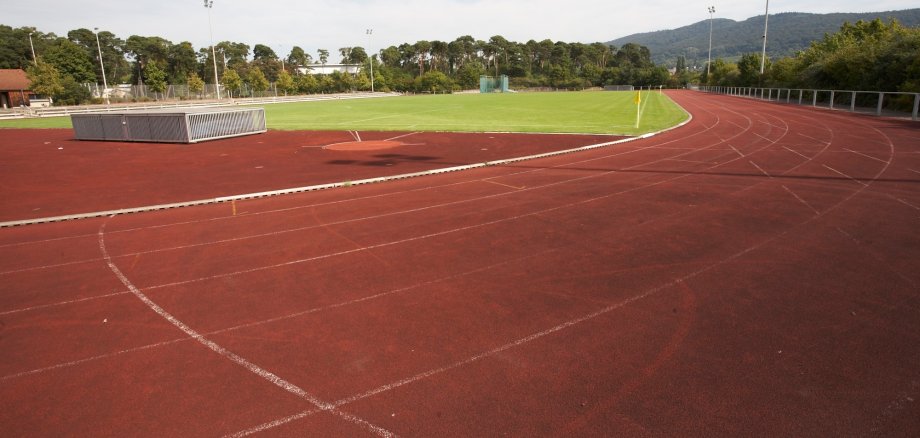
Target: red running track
(752, 273)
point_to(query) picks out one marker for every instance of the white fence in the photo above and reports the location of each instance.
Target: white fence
(879, 103)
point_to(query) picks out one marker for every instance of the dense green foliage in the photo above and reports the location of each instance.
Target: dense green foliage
(865, 56)
(789, 33)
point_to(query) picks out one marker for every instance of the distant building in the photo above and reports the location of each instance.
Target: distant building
(14, 88)
(320, 69)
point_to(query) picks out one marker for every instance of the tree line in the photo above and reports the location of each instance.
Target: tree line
(423, 66)
(862, 56)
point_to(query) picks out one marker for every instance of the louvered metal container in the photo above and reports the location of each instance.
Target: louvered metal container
(186, 125)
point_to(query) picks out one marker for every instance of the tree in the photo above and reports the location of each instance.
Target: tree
(71, 60)
(323, 56)
(145, 50)
(299, 58)
(195, 84)
(256, 80)
(231, 81)
(155, 78)
(434, 82)
(285, 82)
(306, 84)
(261, 51)
(45, 79)
(182, 62)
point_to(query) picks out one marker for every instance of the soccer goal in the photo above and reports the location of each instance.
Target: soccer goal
(490, 84)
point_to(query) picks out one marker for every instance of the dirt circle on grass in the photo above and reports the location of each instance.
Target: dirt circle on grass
(363, 145)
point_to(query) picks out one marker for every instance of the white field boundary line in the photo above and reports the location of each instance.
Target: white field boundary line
(317, 187)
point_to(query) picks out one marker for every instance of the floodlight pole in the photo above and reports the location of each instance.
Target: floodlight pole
(370, 58)
(208, 5)
(763, 55)
(712, 10)
(105, 83)
(34, 60)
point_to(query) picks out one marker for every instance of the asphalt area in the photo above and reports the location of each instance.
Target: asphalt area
(754, 272)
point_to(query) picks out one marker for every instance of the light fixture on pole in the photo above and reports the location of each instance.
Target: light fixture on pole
(763, 55)
(34, 60)
(105, 83)
(208, 5)
(370, 58)
(712, 10)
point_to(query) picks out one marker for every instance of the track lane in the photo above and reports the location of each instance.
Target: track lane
(668, 223)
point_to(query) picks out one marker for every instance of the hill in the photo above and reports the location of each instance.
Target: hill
(788, 33)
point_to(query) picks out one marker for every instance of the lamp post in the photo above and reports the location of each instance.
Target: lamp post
(370, 58)
(34, 60)
(208, 5)
(763, 55)
(105, 83)
(712, 10)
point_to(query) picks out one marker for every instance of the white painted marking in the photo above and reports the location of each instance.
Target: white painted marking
(760, 169)
(401, 136)
(797, 153)
(736, 150)
(844, 175)
(273, 424)
(867, 156)
(227, 354)
(801, 200)
(914, 171)
(907, 204)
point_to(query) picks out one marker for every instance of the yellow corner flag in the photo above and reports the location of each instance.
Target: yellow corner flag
(638, 99)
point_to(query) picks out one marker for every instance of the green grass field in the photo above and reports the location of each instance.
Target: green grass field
(565, 112)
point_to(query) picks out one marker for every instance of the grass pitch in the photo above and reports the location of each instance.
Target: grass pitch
(592, 112)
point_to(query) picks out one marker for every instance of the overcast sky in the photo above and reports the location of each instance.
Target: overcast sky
(330, 24)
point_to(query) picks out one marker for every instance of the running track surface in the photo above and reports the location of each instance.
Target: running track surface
(755, 272)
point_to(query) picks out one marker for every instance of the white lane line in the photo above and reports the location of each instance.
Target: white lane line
(638, 297)
(867, 156)
(280, 318)
(914, 171)
(760, 169)
(310, 227)
(907, 203)
(844, 175)
(736, 150)
(227, 354)
(273, 424)
(797, 153)
(801, 200)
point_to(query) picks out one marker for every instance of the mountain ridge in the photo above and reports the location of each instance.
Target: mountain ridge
(789, 32)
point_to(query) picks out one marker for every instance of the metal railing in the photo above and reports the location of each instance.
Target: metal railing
(879, 103)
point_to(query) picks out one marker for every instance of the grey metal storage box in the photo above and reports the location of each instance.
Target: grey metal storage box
(185, 125)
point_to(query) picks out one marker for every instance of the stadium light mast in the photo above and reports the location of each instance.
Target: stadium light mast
(370, 58)
(34, 60)
(105, 83)
(208, 5)
(712, 10)
(763, 55)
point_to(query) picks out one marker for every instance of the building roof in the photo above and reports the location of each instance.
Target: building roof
(13, 79)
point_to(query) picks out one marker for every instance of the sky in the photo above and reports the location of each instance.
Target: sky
(331, 24)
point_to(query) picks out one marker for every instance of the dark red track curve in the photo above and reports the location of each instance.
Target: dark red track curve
(753, 273)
